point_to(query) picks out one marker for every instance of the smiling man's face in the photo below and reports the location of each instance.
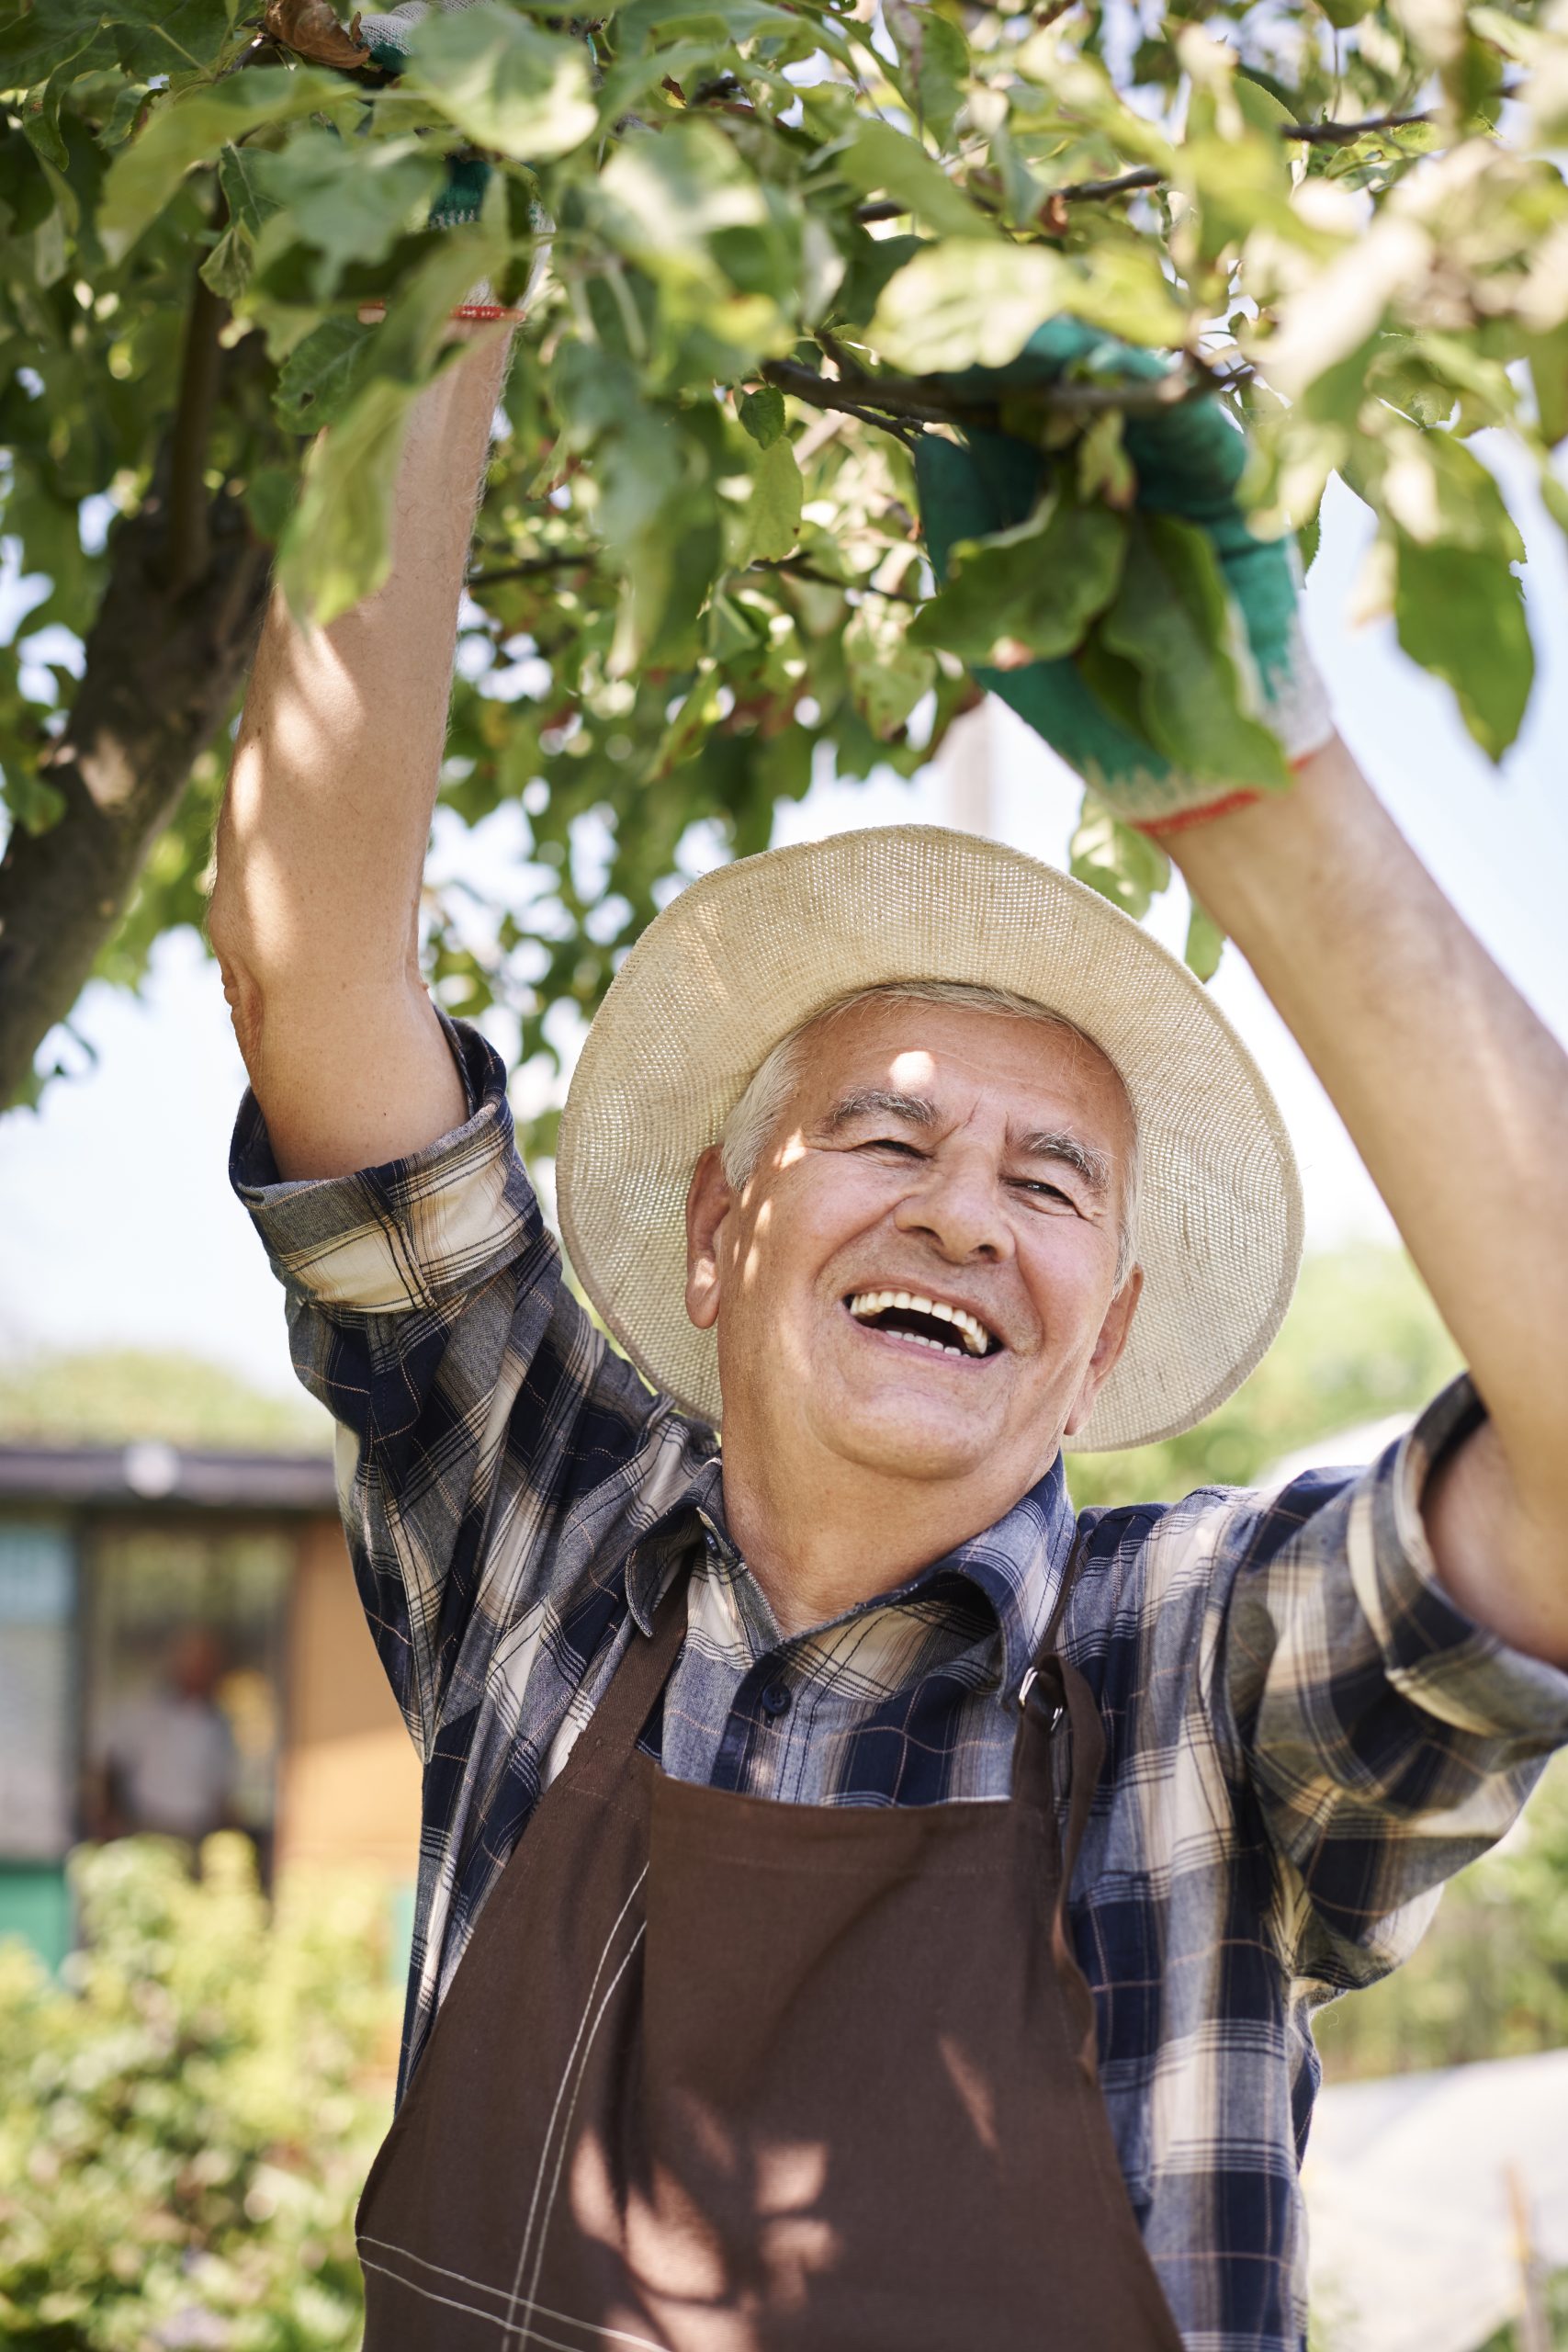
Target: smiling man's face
(919, 1277)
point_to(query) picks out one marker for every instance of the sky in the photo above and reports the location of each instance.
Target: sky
(116, 1225)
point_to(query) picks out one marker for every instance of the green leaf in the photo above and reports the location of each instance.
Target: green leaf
(509, 86)
(878, 160)
(888, 675)
(195, 125)
(1174, 623)
(227, 268)
(1124, 864)
(240, 181)
(1309, 538)
(348, 200)
(37, 43)
(935, 60)
(1461, 614)
(763, 414)
(321, 375)
(664, 198)
(962, 305)
(872, 262)
(775, 502)
(1206, 943)
(338, 547)
(269, 502)
(170, 36)
(1040, 584)
(1548, 357)
(33, 801)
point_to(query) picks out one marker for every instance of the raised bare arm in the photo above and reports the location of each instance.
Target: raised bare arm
(321, 842)
(1456, 1097)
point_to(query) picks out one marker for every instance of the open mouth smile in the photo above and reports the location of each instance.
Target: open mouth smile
(924, 1322)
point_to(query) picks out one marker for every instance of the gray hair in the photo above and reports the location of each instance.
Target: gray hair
(745, 1132)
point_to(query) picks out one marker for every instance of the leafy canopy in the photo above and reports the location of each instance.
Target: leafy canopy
(743, 231)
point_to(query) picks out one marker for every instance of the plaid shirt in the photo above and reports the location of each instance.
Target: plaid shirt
(1305, 1736)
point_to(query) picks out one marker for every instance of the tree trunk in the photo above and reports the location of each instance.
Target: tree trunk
(163, 672)
(165, 659)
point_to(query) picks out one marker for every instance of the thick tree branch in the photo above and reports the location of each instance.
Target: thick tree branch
(162, 671)
(186, 545)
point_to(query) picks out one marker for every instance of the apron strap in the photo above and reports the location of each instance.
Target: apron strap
(635, 1688)
(1052, 1689)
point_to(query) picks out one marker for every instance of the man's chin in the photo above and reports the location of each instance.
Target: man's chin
(920, 1438)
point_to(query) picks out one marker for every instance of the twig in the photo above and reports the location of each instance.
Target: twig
(801, 570)
(1342, 134)
(533, 567)
(878, 400)
(1094, 191)
(789, 376)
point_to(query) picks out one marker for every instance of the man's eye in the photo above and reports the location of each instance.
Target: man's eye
(1042, 1191)
(890, 1143)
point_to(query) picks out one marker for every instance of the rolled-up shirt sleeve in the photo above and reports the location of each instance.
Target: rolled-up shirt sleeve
(414, 1233)
(1387, 1738)
(428, 1312)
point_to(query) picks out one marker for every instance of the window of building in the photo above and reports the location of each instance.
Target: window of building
(37, 1608)
(184, 1678)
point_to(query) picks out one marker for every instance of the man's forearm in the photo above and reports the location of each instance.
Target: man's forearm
(1453, 1091)
(323, 838)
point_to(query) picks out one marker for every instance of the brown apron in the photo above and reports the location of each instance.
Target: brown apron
(719, 2074)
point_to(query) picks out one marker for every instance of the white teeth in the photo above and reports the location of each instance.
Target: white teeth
(975, 1338)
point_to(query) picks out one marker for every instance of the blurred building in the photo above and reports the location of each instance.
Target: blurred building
(180, 1643)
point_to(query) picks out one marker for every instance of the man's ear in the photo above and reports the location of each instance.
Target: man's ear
(1106, 1350)
(708, 1202)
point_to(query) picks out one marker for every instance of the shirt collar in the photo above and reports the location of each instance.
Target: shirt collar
(1017, 1564)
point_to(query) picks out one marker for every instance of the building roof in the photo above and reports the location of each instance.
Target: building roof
(103, 1477)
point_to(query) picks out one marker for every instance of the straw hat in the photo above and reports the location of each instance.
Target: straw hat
(743, 956)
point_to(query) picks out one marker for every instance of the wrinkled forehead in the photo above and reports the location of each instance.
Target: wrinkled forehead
(963, 1057)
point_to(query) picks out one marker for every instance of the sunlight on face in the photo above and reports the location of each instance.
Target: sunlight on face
(970, 1163)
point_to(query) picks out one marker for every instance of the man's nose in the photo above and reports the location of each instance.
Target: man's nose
(959, 1205)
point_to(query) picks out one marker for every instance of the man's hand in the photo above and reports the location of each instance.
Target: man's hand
(1187, 460)
(321, 842)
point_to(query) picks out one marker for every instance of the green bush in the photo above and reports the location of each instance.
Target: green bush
(186, 2120)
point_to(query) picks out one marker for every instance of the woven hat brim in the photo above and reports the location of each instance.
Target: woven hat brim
(752, 950)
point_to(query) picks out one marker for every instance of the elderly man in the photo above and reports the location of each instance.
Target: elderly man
(863, 1904)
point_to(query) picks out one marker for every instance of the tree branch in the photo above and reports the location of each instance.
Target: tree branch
(1341, 135)
(533, 567)
(881, 400)
(162, 671)
(186, 543)
(1309, 134)
(798, 569)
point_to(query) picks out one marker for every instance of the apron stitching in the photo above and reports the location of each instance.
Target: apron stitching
(453, 2302)
(528, 2302)
(560, 2092)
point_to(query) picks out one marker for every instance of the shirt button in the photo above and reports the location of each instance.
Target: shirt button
(774, 1698)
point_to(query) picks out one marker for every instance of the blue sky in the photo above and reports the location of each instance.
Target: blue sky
(115, 1222)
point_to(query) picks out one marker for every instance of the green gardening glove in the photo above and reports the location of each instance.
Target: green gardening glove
(1139, 736)
(388, 36)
